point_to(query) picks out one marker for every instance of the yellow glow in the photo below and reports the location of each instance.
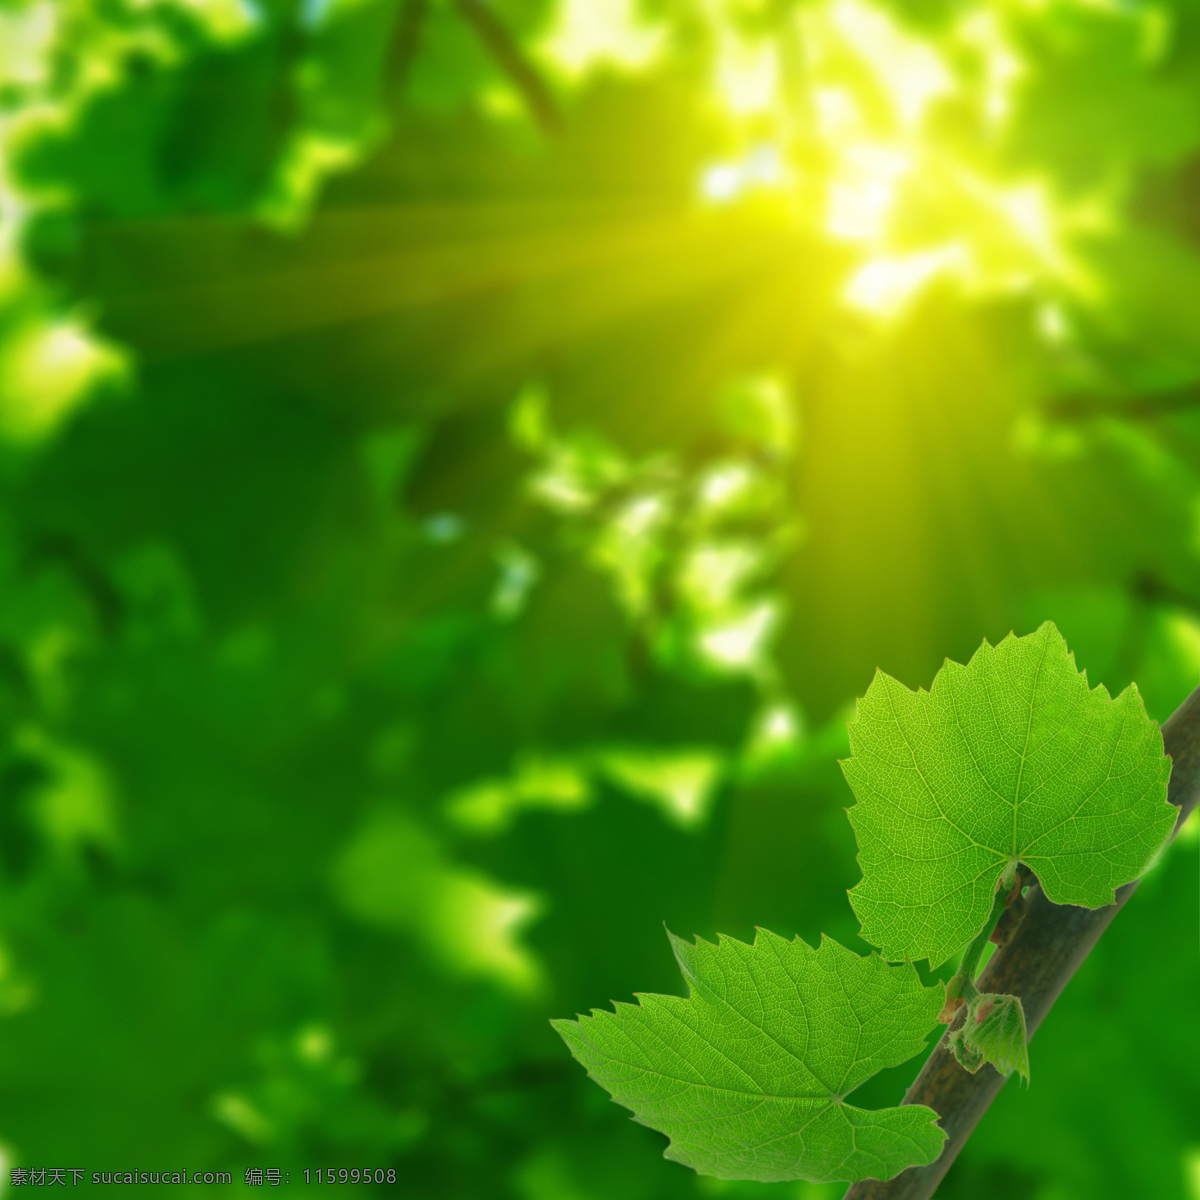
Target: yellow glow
(641, 517)
(775, 736)
(911, 72)
(561, 491)
(502, 102)
(47, 372)
(1029, 211)
(630, 546)
(780, 724)
(590, 34)
(738, 645)
(1003, 68)
(886, 285)
(722, 181)
(761, 168)
(1052, 324)
(725, 485)
(860, 213)
(877, 171)
(25, 41)
(13, 275)
(862, 196)
(747, 75)
(837, 112)
(760, 408)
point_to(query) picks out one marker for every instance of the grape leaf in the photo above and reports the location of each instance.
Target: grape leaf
(994, 1032)
(1008, 759)
(748, 1076)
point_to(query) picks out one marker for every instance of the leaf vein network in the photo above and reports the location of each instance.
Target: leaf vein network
(921, 775)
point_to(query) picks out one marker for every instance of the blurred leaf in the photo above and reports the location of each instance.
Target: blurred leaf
(394, 874)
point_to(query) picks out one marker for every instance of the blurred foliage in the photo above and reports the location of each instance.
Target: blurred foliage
(461, 460)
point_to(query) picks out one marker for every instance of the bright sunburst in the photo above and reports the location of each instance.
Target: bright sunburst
(890, 144)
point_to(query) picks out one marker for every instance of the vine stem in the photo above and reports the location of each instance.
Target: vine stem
(512, 61)
(1046, 949)
(965, 975)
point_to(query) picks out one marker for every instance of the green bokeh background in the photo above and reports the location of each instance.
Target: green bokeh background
(461, 461)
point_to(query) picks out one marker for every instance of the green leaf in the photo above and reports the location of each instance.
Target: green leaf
(748, 1077)
(1008, 759)
(994, 1032)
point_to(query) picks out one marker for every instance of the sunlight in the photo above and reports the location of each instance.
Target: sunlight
(739, 644)
(26, 37)
(681, 783)
(878, 173)
(747, 75)
(885, 285)
(1002, 66)
(775, 736)
(589, 34)
(630, 546)
(480, 925)
(1028, 210)
(911, 72)
(1052, 325)
(778, 726)
(780, 723)
(761, 168)
(724, 485)
(861, 201)
(47, 372)
(713, 573)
